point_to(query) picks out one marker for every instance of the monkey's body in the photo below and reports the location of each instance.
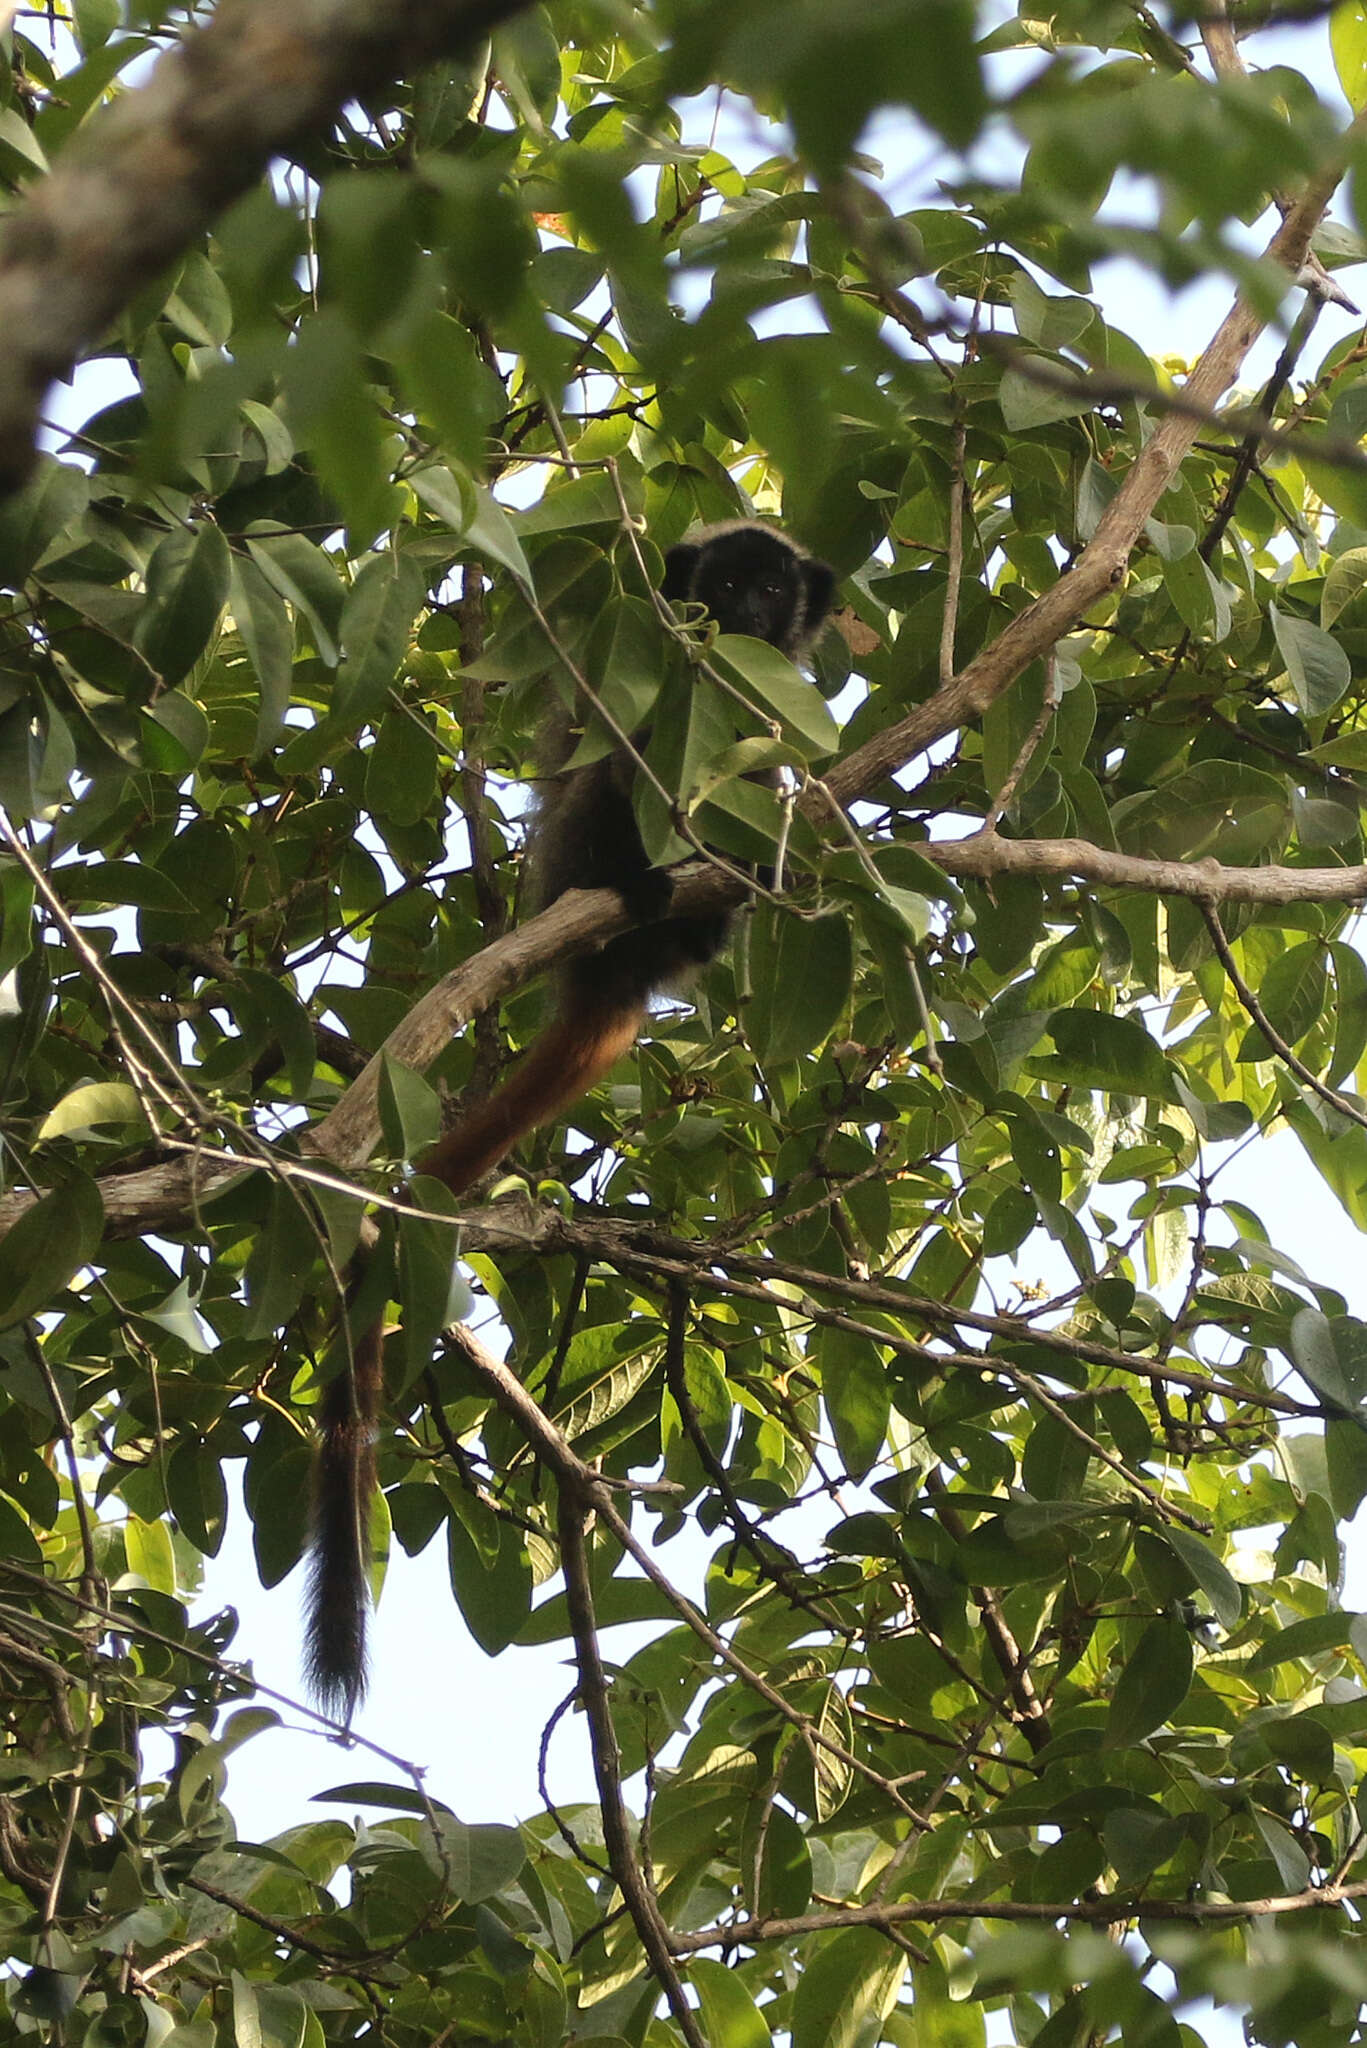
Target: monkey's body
(749, 579)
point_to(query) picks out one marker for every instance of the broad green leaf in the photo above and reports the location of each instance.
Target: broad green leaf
(259, 614)
(48, 1245)
(491, 535)
(1344, 579)
(99, 1105)
(431, 1286)
(775, 1862)
(588, 500)
(121, 881)
(1292, 995)
(1318, 668)
(187, 588)
(1039, 397)
(197, 1495)
(833, 1777)
(490, 1577)
(1348, 41)
(1210, 1574)
(307, 578)
(1334, 1371)
(401, 768)
(762, 673)
(377, 619)
(16, 916)
(333, 415)
(801, 969)
(851, 1981)
(1097, 1050)
(730, 2016)
(148, 1549)
(855, 1387)
(1152, 1685)
(484, 1860)
(410, 1109)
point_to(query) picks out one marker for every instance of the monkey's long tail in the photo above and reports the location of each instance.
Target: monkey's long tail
(338, 1594)
(573, 1052)
(591, 1033)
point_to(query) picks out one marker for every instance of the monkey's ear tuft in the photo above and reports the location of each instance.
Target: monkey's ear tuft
(680, 563)
(819, 579)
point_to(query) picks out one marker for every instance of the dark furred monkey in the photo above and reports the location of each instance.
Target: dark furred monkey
(751, 580)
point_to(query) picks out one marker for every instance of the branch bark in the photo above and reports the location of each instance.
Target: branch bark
(138, 186)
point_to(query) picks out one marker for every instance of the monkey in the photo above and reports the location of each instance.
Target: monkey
(750, 579)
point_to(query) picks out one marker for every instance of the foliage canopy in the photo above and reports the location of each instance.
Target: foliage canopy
(394, 450)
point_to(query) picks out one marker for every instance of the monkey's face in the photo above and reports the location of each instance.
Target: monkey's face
(751, 585)
(751, 579)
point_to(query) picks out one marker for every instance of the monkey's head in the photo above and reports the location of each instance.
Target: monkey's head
(752, 580)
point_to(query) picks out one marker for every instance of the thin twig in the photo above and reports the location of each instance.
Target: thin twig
(1269, 1030)
(607, 1760)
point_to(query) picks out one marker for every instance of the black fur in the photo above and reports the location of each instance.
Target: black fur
(751, 579)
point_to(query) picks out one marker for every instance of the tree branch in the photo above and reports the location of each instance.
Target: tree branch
(141, 183)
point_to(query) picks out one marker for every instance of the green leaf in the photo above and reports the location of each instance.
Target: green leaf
(1308, 1638)
(1292, 995)
(1152, 1685)
(332, 413)
(490, 535)
(47, 1246)
(98, 1104)
(50, 502)
(1318, 668)
(16, 916)
(775, 1862)
(1210, 1574)
(147, 1546)
(1348, 41)
(401, 769)
(197, 1495)
(1097, 1050)
(377, 620)
(307, 578)
(1346, 576)
(1335, 1373)
(483, 1860)
(187, 588)
(1292, 1863)
(260, 617)
(762, 672)
(730, 2016)
(855, 1388)
(121, 881)
(801, 968)
(431, 1287)
(1029, 401)
(833, 1777)
(851, 1982)
(410, 1109)
(490, 1576)
(588, 500)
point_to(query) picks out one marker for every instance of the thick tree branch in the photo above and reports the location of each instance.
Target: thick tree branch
(145, 178)
(985, 856)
